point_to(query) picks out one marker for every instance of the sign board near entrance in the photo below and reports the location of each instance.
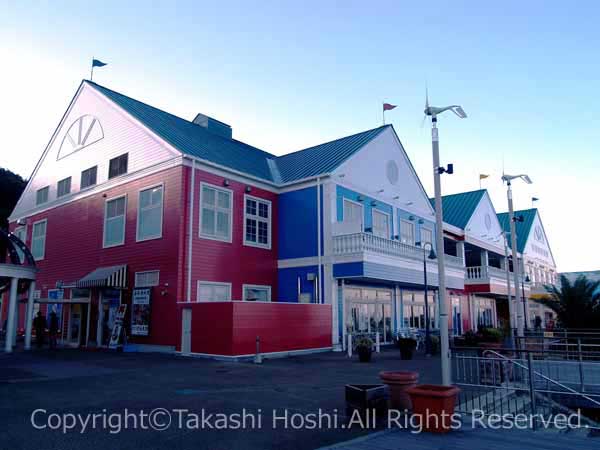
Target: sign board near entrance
(117, 331)
(140, 311)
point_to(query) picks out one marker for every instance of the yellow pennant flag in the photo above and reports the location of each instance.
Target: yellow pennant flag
(483, 176)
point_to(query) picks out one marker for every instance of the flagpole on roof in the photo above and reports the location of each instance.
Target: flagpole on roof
(383, 112)
(92, 72)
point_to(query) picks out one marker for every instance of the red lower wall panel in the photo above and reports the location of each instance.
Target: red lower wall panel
(231, 328)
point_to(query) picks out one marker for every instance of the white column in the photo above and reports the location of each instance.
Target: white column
(10, 323)
(14, 340)
(460, 251)
(29, 316)
(485, 261)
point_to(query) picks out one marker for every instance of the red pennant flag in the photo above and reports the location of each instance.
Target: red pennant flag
(388, 106)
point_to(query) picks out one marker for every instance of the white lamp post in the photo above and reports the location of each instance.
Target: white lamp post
(513, 238)
(439, 233)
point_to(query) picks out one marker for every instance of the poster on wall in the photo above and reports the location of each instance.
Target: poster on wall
(140, 312)
(117, 331)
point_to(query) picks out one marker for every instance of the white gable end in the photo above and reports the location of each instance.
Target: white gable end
(382, 164)
(537, 246)
(93, 131)
(483, 226)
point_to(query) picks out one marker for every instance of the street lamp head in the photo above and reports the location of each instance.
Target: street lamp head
(456, 109)
(432, 254)
(509, 178)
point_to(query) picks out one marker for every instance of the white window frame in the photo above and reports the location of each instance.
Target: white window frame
(89, 186)
(47, 189)
(258, 219)
(144, 272)
(124, 221)
(432, 236)
(389, 222)
(139, 210)
(256, 286)
(362, 212)
(412, 224)
(222, 189)
(68, 180)
(212, 283)
(39, 258)
(18, 229)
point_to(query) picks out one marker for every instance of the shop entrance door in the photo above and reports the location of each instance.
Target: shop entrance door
(74, 336)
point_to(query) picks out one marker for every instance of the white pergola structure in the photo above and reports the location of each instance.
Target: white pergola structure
(16, 270)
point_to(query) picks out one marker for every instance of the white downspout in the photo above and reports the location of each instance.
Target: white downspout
(191, 232)
(319, 290)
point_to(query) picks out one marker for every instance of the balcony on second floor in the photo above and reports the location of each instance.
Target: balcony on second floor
(357, 243)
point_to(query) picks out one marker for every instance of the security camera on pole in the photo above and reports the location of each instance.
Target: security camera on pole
(515, 252)
(433, 112)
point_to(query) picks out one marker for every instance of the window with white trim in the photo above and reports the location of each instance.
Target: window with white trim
(118, 166)
(147, 278)
(257, 222)
(63, 187)
(21, 233)
(38, 239)
(426, 236)
(216, 206)
(150, 213)
(257, 293)
(114, 221)
(88, 177)
(41, 196)
(353, 213)
(381, 224)
(210, 291)
(407, 232)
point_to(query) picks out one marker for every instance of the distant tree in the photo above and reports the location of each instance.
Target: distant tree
(11, 188)
(577, 304)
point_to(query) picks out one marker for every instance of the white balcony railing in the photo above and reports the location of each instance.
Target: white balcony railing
(367, 242)
(484, 273)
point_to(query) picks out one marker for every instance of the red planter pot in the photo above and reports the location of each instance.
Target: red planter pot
(399, 382)
(434, 404)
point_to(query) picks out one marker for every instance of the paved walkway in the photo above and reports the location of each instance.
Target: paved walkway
(471, 439)
(80, 382)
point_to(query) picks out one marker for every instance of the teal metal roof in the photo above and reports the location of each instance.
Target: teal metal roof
(458, 208)
(196, 141)
(193, 139)
(523, 228)
(323, 158)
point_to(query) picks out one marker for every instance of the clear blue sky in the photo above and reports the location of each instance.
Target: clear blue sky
(287, 75)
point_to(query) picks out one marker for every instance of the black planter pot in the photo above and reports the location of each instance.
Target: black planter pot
(406, 353)
(407, 347)
(364, 354)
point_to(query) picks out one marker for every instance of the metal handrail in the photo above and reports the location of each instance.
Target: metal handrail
(544, 377)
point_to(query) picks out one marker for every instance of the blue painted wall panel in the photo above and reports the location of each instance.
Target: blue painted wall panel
(287, 288)
(298, 223)
(353, 269)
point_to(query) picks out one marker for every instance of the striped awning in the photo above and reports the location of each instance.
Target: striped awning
(114, 276)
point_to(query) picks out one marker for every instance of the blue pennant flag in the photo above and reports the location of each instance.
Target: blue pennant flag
(97, 63)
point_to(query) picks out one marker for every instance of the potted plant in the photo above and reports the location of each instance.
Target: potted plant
(407, 346)
(433, 405)
(364, 348)
(490, 338)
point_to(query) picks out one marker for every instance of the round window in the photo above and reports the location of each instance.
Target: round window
(392, 172)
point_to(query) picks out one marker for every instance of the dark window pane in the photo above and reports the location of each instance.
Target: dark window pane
(88, 177)
(117, 166)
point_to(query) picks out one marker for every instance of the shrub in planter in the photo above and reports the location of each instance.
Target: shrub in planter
(407, 347)
(470, 339)
(364, 348)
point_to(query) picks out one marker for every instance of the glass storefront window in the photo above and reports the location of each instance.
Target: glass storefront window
(369, 311)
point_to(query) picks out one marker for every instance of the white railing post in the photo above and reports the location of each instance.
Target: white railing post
(377, 342)
(349, 345)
